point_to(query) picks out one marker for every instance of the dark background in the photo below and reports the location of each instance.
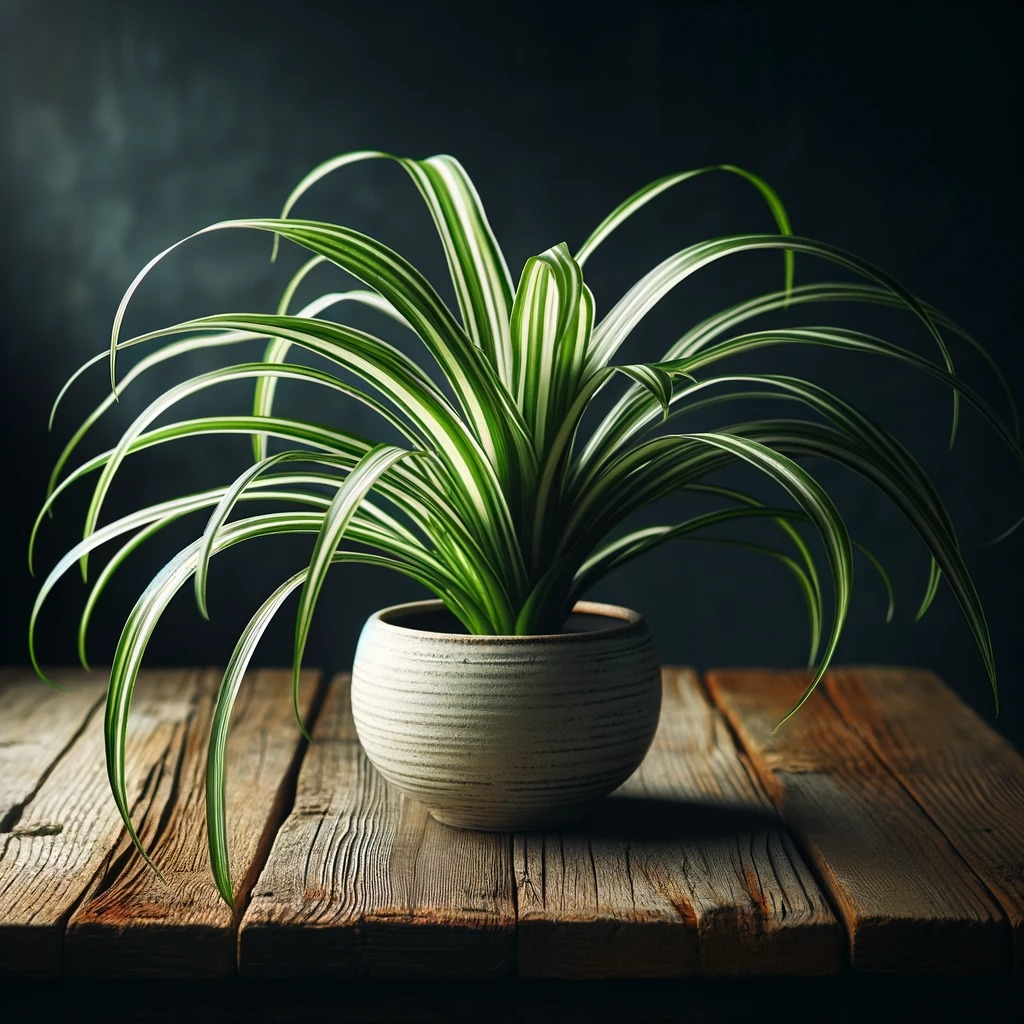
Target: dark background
(890, 130)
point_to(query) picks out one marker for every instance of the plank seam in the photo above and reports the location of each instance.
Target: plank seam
(891, 772)
(795, 835)
(284, 804)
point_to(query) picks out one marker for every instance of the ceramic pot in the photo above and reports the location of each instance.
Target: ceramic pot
(505, 732)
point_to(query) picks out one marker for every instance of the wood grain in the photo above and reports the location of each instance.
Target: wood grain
(684, 870)
(362, 881)
(134, 923)
(39, 726)
(908, 900)
(966, 777)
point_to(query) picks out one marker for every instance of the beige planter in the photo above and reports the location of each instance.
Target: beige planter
(505, 732)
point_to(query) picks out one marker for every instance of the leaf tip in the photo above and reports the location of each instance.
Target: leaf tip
(1005, 534)
(83, 658)
(37, 668)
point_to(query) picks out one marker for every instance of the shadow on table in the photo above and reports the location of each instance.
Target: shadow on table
(654, 819)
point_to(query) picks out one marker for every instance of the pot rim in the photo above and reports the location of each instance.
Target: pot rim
(623, 621)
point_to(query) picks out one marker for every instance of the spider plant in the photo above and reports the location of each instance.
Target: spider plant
(497, 500)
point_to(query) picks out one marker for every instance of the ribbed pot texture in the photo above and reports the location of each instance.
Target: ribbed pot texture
(505, 732)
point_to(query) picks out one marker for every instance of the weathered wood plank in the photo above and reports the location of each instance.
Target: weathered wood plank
(361, 881)
(968, 779)
(684, 870)
(38, 725)
(134, 924)
(46, 872)
(908, 900)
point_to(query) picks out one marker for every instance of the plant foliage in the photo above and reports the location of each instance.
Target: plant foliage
(497, 499)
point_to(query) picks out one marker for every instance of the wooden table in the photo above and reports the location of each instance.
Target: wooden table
(881, 830)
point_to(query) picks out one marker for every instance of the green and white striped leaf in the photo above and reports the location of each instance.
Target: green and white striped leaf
(277, 349)
(216, 774)
(483, 285)
(551, 322)
(643, 196)
(639, 542)
(245, 482)
(143, 620)
(190, 387)
(822, 513)
(550, 497)
(831, 292)
(475, 486)
(489, 409)
(357, 484)
(614, 328)
(813, 439)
